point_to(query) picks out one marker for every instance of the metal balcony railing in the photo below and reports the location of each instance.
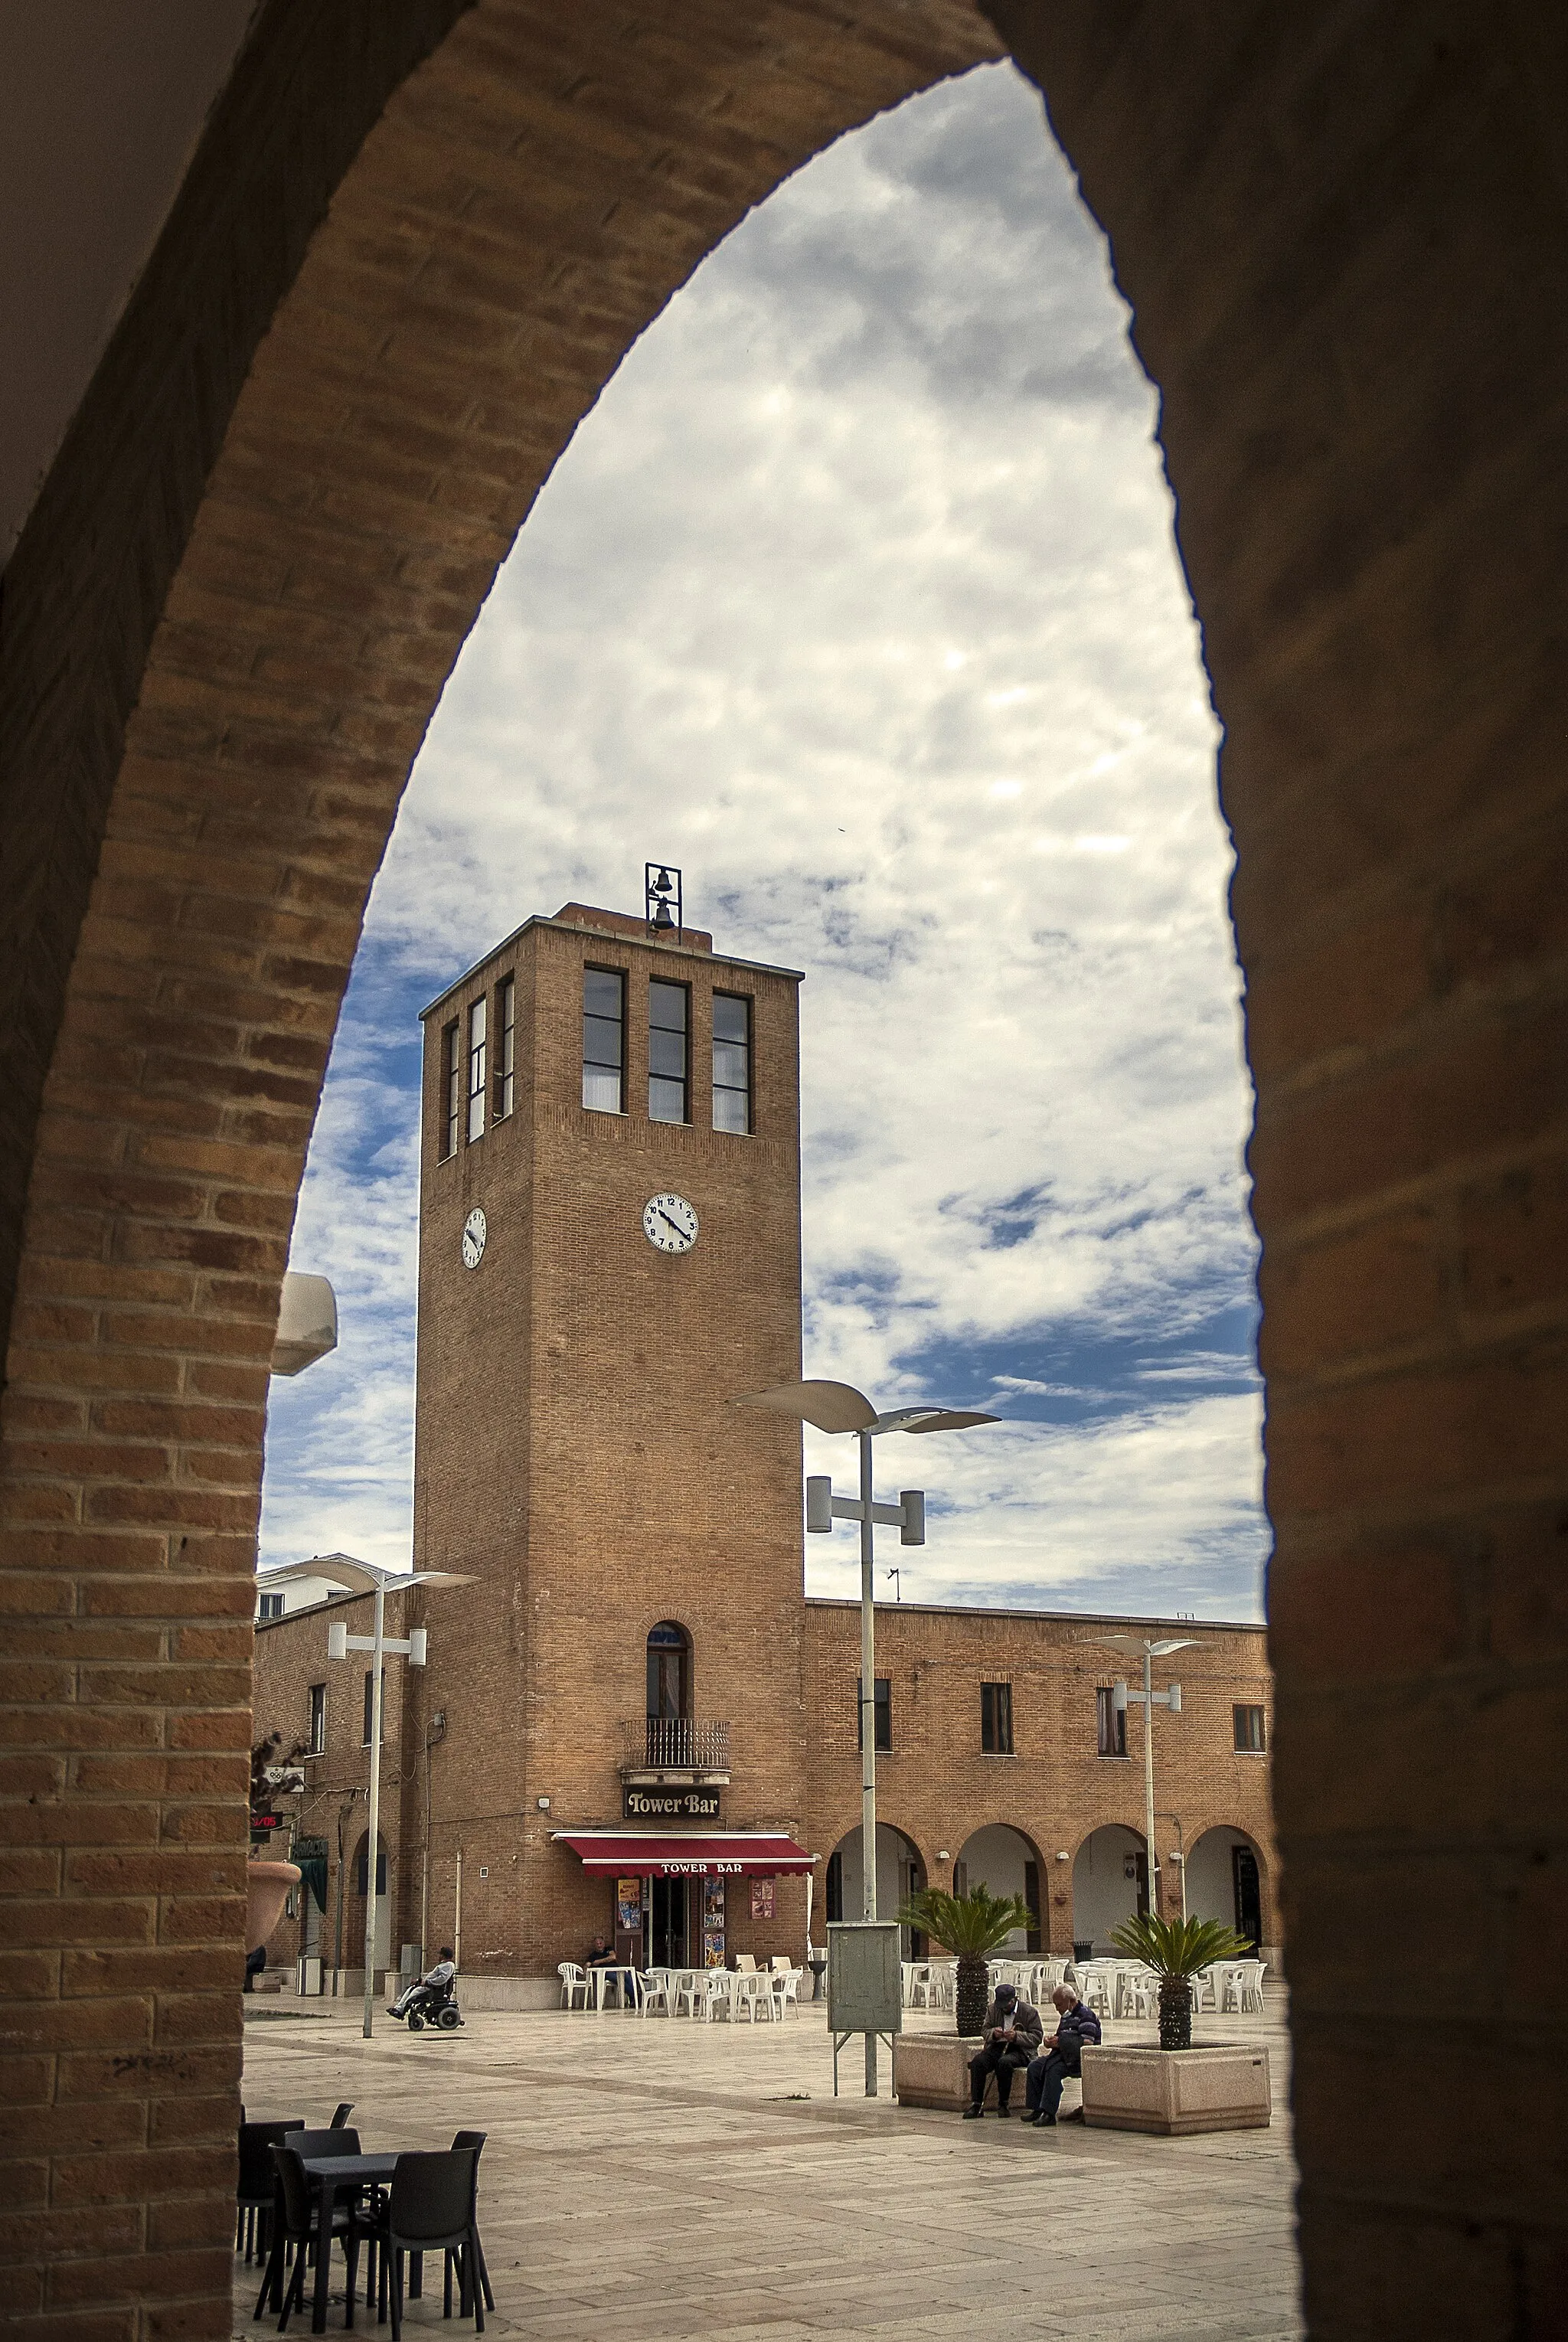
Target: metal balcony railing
(679, 1744)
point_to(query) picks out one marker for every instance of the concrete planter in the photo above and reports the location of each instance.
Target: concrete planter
(1177, 2092)
(932, 2070)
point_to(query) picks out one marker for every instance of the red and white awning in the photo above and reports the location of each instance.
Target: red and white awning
(673, 1854)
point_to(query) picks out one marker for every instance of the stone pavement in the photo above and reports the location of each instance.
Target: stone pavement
(660, 2179)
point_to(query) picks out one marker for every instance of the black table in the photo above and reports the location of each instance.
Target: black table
(333, 2176)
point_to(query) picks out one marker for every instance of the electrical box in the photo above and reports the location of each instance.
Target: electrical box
(865, 1980)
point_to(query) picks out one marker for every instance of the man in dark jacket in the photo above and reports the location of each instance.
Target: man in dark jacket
(1012, 2033)
(1076, 2024)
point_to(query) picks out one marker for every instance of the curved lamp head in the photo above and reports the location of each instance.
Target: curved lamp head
(839, 1406)
(364, 1577)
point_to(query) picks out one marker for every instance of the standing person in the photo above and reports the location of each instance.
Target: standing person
(1076, 2025)
(1013, 2031)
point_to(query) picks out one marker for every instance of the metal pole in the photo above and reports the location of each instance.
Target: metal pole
(373, 1847)
(868, 1722)
(457, 1916)
(1149, 1782)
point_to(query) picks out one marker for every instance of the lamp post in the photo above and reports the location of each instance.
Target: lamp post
(839, 1406)
(1149, 1699)
(369, 1577)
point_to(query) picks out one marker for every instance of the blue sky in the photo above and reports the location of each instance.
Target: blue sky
(856, 594)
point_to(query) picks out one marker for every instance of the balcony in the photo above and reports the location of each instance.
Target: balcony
(675, 1752)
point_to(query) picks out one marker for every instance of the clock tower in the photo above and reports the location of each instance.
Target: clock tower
(609, 1258)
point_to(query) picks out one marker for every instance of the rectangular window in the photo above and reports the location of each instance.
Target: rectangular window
(996, 1720)
(452, 1075)
(882, 1735)
(732, 1062)
(1112, 1723)
(669, 1016)
(478, 1080)
(604, 1040)
(506, 1047)
(369, 1719)
(1248, 1724)
(316, 1738)
(270, 1606)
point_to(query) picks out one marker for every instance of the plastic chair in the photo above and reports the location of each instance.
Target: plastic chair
(431, 2206)
(745, 1964)
(651, 1988)
(573, 1979)
(257, 2187)
(299, 2225)
(341, 2114)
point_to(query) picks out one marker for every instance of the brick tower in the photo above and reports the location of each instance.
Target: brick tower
(609, 1255)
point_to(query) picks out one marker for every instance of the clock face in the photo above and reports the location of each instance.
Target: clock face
(473, 1235)
(669, 1222)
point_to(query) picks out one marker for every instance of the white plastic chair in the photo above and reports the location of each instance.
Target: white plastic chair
(919, 1986)
(783, 1986)
(745, 1964)
(1242, 1985)
(1097, 1987)
(651, 1989)
(573, 1979)
(687, 1985)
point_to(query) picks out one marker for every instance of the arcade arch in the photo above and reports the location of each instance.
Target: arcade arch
(1225, 1881)
(1003, 1861)
(900, 1873)
(1110, 1883)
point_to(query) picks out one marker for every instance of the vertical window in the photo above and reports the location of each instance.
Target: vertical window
(669, 1013)
(732, 1062)
(604, 1040)
(452, 1075)
(369, 1703)
(996, 1720)
(506, 1047)
(478, 1081)
(834, 1888)
(1112, 1723)
(315, 1737)
(882, 1737)
(270, 1606)
(1248, 1724)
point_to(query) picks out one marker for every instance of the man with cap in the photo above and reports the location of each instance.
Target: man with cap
(1012, 2035)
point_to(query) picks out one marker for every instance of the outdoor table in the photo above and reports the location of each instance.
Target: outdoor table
(621, 1978)
(333, 2176)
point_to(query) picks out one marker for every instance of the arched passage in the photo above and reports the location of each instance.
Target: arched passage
(1007, 1862)
(354, 1916)
(1225, 1877)
(404, 259)
(1110, 1884)
(900, 1873)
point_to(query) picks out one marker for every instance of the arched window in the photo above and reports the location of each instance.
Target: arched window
(669, 1670)
(362, 1866)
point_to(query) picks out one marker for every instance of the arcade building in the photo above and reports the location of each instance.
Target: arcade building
(633, 1720)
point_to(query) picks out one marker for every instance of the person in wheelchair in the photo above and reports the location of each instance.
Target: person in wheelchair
(428, 1995)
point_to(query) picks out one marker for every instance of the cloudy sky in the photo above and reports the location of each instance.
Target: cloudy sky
(856, 594)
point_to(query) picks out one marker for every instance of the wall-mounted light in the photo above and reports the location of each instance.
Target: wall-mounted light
(1063, 1854)
(943, 1855)
(543, 1803)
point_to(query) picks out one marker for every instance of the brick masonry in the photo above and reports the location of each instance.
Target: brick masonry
(412, 246)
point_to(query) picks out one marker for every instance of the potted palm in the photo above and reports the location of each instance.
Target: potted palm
(970, 1926)
(1176, 1949)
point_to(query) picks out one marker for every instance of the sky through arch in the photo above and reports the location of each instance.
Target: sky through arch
(856, 594)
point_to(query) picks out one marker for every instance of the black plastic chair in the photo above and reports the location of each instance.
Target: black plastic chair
(258, 2184)
(345, 2109)
(298, 2223)
(327, 2142)
(462, 2138)
(430, 2209)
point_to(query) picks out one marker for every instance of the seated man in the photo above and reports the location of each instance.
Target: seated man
(1076, 2024)
(428, 1991)
(1012, 2035)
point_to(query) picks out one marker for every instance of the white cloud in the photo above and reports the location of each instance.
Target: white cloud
(856, 594)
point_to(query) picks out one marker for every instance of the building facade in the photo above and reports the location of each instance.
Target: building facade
(632, 1721)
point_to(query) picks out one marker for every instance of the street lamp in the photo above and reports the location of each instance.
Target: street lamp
(839, 1406)
(1149, 1699)
(369, 1577)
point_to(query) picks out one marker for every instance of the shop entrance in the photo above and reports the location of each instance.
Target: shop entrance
(668, 1933)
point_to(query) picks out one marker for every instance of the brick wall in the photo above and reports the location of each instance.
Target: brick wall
(1343, 233)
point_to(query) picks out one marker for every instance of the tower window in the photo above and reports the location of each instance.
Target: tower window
(669, 1016)
(478, 1082)
(1112, 1723)
(669, 1670)
(732, 1062)
(505, 1046)
(452, 1075)
(883, 1736)
(1248, 1725)
(996, 1720)
(316, 1738)
(270, 1606)
(604, 1040)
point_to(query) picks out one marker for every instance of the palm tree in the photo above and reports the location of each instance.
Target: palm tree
(970, 1925)
(1176, 1949)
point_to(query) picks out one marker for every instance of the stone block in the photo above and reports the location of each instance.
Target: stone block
(1176, 2092)
(932, 2070)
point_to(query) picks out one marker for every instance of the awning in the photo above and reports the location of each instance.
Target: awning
(722, 1854)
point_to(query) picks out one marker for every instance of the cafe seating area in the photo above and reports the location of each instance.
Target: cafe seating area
(306, 2194)
(1111, 1987)
(741, 1995)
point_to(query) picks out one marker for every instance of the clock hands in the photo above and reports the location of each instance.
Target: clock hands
(672, 1223)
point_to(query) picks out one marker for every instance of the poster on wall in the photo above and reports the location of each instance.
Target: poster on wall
(712, 1923)
(762, 1898)
(628, 1907)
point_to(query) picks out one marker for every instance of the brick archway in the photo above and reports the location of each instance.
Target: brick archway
(416, 242)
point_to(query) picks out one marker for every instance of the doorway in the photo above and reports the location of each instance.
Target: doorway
(1249, 1896)
(667, 1931)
